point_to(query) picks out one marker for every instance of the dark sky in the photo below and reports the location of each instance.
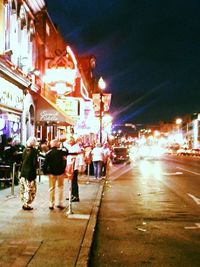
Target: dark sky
(148, 52)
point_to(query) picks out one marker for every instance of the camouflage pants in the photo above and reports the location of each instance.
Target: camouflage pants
(27, 191)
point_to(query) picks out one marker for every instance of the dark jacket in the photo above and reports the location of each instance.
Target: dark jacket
(9, 154)
(29, 163)
(55, 161)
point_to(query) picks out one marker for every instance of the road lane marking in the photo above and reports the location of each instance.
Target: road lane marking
(196, 199)
(196, 173)
(120, 172)
(172, 173)
(79, 216)
(193, 227)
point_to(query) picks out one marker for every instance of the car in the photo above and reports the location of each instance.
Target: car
(119, 154)
(150, 152)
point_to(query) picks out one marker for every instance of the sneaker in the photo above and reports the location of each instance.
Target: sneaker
(51, 205)
(60, 207)
(75, 199)
(27, 207)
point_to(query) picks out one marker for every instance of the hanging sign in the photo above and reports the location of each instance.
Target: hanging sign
(106, 99)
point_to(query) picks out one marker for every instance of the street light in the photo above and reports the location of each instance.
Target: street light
(102, 86)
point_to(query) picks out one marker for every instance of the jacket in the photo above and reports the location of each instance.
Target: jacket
(29, 163)
(55, 161)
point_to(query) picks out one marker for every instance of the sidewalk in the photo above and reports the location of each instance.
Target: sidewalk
(41, 237)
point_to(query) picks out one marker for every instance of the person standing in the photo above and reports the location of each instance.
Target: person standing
(28, 174)
(9, 155)
(74, 149)
(97, 159)
(54, 165)
(106, 160)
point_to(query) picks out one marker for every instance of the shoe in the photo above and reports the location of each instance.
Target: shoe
(51, 207)
(60, 207)
(75, 199)
(27, 208)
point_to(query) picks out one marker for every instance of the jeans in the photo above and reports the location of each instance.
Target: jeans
(97, 168)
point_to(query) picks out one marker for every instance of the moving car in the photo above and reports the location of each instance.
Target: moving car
(119, 154)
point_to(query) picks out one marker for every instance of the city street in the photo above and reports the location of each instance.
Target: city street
(150, 215)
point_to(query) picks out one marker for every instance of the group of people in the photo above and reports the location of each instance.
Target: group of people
(56, 157)
(54, 165)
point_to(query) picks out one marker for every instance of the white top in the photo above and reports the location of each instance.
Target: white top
(78, 158)
(97, 154)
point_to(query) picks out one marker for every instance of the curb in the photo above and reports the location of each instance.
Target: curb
(85, 248)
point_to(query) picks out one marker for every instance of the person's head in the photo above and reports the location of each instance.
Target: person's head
(9, 140)
(31, 142)
(55, 143)
(98, 145)
(72, 140)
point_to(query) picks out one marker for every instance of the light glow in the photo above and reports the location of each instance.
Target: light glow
(84, 91)
(60, 75)
(101, 84)
(71, 53)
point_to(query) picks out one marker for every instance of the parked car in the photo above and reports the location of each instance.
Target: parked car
(120, 154)
(195, 152)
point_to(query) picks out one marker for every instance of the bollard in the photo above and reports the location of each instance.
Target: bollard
(13, 181)
(88, 173)
(39, 171)
(70, 172)
(70, 198)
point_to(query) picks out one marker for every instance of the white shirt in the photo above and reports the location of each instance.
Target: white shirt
(97, 154)
(74, 149)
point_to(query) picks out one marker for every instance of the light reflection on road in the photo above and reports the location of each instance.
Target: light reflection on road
(150, 169)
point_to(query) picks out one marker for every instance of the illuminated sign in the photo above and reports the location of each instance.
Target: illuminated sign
(69, 105)
(106, 99)
(11, 95)
(48, 116)
(60, 75)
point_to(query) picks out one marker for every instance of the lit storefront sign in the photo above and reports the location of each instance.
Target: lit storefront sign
(61, 72)
(69, 105)
(48, 113)
(45, 115)
(60, 75)
(10, 95)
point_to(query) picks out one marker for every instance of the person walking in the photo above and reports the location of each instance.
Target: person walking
(54, 165)
(97, 159)
(27, 184)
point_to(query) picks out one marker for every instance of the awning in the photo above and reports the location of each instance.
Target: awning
(47, 111)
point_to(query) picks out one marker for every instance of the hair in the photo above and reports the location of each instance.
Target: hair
(54, 143)
(10, 139)
(31, 142)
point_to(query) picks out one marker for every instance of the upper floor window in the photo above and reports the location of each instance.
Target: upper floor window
(19, 32)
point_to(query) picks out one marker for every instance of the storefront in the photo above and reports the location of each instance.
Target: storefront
(11, 107)
(51, 121)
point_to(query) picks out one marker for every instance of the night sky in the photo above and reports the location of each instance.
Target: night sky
(148, 52)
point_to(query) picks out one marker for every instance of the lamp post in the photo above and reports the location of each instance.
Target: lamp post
(102, 86)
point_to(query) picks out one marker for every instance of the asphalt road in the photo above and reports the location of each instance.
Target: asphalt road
(150, 215)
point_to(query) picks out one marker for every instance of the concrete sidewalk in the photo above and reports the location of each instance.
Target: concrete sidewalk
(42, 237)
